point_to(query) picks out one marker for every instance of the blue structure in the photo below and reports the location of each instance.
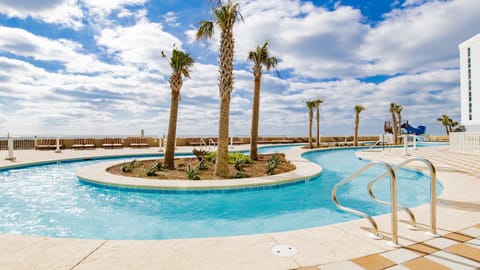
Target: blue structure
(420, 130)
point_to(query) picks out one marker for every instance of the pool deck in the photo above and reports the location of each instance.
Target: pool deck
(338, 246)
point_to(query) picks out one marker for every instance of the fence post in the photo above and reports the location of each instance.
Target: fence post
(10, 148)
(405, 145)
(57, 144)
(160, 143)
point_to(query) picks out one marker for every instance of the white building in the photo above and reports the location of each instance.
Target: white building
(469, 141)
(470, 83)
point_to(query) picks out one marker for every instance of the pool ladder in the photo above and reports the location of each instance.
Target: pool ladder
(393, 195)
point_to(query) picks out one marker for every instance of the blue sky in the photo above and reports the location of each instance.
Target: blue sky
(94, 67)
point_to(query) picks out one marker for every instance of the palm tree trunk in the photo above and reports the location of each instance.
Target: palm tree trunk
(172, 131)
(446, 130)
(399, 124)
(255, 119)
(355, 134)
(310, 124)
(318, 125)
(221, 165)
(225, 88)
(394, 128)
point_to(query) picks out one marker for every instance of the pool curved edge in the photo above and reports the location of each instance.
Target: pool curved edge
(305, 170)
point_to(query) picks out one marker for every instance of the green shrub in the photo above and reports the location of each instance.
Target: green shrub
(200, 154)
(128, 167)
(239, 164)
(158, 165)
(270, 168)
(212, 156)
(240, 174)
(233, 157)
(276, 159)
(192, 173)
(152, 171)
(202, 165)
(272, 164)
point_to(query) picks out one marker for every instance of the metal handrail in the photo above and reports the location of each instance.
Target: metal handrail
(433, 193)
(375, 144)
(376, 234)
(211, 142)
(202, 142)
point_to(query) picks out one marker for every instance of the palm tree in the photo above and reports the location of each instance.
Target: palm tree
(358, 109)
(398, 110)
(260, 57)
(310, 105)
(446, 122)
(452, 124)
(180, 62)
(393, 110)
(225, 16)
(317, 106)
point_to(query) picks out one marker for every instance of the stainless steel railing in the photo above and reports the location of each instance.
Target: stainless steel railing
(433, 193)
(375, 144)
(211, 142)
(393, 196)
(393, 191)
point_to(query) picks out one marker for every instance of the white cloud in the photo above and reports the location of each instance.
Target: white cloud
(36, 99)
(132, 92)
(172, 19)
(70, 54)
(23, 43)
(139, 45)
(62, 12)
(111, 5)
(409, 3)
(420, 38)
(135, 15)
(312, 41)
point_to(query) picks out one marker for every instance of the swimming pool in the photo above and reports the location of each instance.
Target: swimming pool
(48, 200)
(277, 148)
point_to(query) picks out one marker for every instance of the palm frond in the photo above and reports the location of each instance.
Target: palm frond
(318, 102)
(393, 107)
(226, 15)
(261, 56)
(181, 62)
(310, 104)
(359, 108)
(205, 30)
(271, 63)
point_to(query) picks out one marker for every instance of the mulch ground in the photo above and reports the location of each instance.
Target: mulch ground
(256, 168)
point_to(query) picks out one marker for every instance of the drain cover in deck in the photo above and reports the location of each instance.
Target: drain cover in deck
(284, 250)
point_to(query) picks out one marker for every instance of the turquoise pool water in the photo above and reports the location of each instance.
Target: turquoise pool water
(277, 148)
(48, 200)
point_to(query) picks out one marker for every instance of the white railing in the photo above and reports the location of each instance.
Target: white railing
(211, 142)
(465, 141)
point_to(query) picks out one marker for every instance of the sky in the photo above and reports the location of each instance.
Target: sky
(89, 67)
